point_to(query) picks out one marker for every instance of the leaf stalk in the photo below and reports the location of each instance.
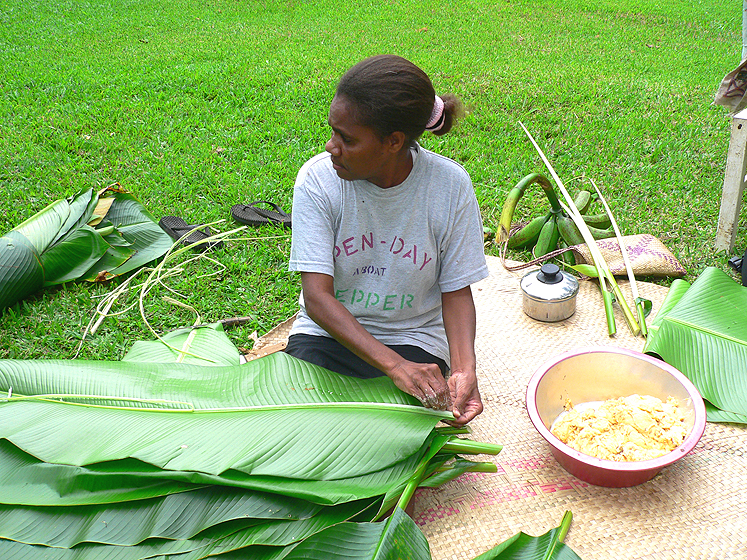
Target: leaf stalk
(458, 445)
(599, 263)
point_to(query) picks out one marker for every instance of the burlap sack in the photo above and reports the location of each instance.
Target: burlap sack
(647, 254)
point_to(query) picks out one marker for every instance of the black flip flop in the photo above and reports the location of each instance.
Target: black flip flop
(177, 227)
(252, 215)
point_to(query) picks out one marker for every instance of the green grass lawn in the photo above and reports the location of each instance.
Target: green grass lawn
(196, 106)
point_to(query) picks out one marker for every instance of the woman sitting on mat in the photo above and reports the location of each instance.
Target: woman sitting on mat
(388, 238)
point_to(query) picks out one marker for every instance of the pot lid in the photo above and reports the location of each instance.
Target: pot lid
(549, 283)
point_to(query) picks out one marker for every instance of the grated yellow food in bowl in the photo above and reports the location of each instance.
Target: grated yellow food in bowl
(633, 428)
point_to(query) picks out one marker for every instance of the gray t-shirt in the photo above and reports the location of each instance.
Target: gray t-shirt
(391, 252)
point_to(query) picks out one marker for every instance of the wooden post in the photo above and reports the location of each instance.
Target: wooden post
(736, 168)
(734, 182)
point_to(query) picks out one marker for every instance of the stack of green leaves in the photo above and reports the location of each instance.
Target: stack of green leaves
(276, 458)
(89, 236)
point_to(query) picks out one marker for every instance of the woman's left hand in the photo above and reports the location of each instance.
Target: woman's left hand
(460, 324)
(465, 397)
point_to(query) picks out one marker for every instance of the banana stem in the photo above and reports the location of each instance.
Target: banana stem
(559, 536)
(453, 430)
(565, 525)
(608, 311)
(458, 445)
(641, 317)
(482, 467)
(412, 484)
(635, 328)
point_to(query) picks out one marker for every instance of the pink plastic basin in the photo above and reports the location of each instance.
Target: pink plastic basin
(598, 374)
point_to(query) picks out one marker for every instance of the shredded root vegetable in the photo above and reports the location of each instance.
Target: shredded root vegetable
(633, 428)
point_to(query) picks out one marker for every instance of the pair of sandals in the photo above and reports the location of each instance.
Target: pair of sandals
(248, 214)
(253, 215)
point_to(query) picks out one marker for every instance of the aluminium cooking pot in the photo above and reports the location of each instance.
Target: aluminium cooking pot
(549, 294)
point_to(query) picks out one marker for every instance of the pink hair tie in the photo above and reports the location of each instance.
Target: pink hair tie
(438, 117)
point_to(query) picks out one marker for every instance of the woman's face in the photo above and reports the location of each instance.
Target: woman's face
(357, 151)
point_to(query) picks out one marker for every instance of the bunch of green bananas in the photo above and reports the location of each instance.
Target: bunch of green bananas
(554, 229)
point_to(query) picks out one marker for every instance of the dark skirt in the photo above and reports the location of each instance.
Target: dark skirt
(330, 354)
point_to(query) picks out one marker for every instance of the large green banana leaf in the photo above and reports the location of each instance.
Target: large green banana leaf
(205, 345)
(220, 536)
(177, 516)
(28, 481)
(397, 538)
(88, 236)
(277, 536)
(214, 440)
(274, 379)
(373, 436)
(701, 331)
(140, 230)
(177, 456)
(717, 415)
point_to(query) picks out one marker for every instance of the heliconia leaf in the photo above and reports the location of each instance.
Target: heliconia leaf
(206, 345)
(704, 335)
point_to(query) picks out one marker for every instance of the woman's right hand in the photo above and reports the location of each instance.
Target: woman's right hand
(424, 382)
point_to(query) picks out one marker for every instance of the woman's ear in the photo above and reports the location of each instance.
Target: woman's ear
(395, 141)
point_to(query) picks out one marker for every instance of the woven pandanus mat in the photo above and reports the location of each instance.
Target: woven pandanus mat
(694, 509)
